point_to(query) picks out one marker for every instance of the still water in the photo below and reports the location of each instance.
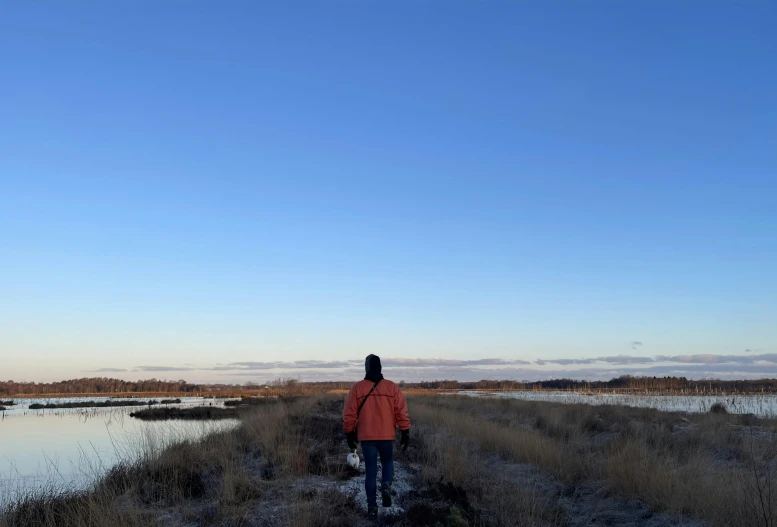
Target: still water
(761, 405)
(70, 448)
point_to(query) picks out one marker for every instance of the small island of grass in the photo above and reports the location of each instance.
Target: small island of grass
(91, 404)
(196, 413)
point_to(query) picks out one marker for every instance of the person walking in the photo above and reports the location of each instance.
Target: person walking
(373, 410)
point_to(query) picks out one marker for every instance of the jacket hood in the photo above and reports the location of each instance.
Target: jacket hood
(373, 368)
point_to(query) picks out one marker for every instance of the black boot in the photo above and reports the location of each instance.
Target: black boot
(385, 493)
(372, 514)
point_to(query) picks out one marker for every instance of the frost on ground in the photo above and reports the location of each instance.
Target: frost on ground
(400, 489)
(593, 503)
(353, 488)
(590, 504)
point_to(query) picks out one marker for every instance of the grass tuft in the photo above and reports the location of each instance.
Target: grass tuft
(718, 408)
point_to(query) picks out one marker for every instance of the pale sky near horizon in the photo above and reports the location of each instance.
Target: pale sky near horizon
(227, 192)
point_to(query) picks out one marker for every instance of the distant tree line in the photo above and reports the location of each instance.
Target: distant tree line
(96, 385)
(622, 383)
(104, 385)
(290, 386)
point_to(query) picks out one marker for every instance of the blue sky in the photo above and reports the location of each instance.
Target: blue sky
(187, 188)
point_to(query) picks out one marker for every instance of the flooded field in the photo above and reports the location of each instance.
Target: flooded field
(69, 448)
(761, 405)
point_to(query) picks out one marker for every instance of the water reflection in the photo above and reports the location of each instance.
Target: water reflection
(69, 448)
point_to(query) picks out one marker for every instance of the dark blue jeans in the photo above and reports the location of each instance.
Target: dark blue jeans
(371, 450)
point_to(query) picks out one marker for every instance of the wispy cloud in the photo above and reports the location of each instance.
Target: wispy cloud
(387, 363)
(708, 358)
(719, 359)
(615, 359)
(636, 344)
(436, 363)
(564, 362)
(626, 359)
(295, 365)
(710, 365)
(161, 368)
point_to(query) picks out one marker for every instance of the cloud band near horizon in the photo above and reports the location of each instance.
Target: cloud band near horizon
(416, 369)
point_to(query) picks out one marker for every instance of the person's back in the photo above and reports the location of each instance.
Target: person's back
(382, 412)
(373, 409)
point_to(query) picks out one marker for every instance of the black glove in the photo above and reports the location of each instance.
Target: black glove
(404, 439)
(352, 440)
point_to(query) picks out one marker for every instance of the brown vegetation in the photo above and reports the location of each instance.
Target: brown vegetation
(704, 467)
(472, 461)
(196, 413)
(113, 403)
(244, 476)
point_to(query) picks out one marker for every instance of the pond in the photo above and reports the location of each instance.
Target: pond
(761, 405)
(70, 448)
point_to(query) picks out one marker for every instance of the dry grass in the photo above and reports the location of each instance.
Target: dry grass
(240, 477)
(94, 510)
(480, 462)
(453, 465)
(713, 467)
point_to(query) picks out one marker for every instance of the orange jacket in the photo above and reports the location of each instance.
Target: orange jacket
(384, 410)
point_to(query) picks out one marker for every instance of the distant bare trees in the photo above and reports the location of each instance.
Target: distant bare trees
(623, 383)
(96, 385)
(626, 383)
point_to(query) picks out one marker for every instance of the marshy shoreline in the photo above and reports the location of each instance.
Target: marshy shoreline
(110, 403)
(472, 461)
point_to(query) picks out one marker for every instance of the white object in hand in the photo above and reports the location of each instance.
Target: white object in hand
(353, 459)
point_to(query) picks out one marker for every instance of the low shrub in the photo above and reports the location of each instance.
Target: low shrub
(718, 408)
